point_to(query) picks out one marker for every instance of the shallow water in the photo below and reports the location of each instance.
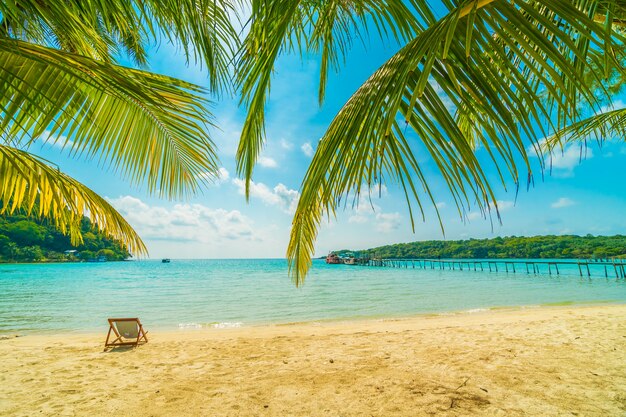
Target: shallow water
(231, 293)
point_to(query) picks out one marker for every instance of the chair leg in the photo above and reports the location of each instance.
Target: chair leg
(142, 334)
(106, 343)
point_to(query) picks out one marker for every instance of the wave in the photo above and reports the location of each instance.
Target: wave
(213, 325)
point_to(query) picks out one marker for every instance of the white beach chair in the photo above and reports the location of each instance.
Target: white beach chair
(127, 332)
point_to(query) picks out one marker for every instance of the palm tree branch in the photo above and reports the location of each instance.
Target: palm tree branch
(599, 127)
(96, 108)
(106, 30)
(325, 27)
(29, 183)
(524, 62)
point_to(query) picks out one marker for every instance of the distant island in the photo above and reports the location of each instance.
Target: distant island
(535, 247)
(28, 239)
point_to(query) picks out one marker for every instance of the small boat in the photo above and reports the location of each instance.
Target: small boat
(333, 258)
(349, 261)
(166, 260)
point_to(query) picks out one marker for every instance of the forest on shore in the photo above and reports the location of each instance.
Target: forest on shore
(28, 239)
(535, 247)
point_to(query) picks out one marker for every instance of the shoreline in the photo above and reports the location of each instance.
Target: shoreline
(226, 326)
(346, 324)
(549, 361)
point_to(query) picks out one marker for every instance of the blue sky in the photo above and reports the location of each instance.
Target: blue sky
(578, 197)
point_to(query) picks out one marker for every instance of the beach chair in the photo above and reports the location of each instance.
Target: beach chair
(127, 332)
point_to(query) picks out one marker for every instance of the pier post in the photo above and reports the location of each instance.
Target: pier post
(619, 266)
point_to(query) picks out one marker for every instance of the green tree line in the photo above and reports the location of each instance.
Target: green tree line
(28, 239)
(553, 247)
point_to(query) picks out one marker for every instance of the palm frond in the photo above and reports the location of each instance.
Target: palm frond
(28, 183)
(105, 30)
(203, 29)
(151, 128)
(325, 27)
(600, 128)
(495, 73)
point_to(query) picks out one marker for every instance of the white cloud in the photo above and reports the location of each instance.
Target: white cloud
(615, 105)
(307, 149)
(281, 196)
(286, 145)
(503, 205)
(222, 176)
(562, 202)
(183, 222)
(366, 206)
(288, 198)
(358, 218)
(440, 205)
(58, 141)
(569, 158)
(267, 162)
(563, 160)
(365, 210)
(474, 215)
(387, 222)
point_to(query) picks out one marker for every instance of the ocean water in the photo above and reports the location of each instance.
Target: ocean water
(191, 294)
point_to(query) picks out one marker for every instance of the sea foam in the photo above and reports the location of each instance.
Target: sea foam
(216, 325)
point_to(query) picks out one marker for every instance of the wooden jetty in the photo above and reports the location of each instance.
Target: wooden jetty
(584, 267)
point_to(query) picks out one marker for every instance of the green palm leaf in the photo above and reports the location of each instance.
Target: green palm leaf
(326, 27)
(103, 30)
(149, 127)
(599, 127)
(58, 79)
(30, 184)
(493, 73)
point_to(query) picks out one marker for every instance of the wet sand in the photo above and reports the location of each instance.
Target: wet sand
(549, 361)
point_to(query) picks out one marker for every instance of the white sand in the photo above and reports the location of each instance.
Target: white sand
(561, 361)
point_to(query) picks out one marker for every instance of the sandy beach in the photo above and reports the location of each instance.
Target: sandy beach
(549, 361)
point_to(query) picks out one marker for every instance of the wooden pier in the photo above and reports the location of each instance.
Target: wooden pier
(583, 267)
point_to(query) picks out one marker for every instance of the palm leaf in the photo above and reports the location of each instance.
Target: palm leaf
(325, 27)
(104, 30)
(599, 127)
(150, 128)
(58, 80)
(508, 70)
(30, 184)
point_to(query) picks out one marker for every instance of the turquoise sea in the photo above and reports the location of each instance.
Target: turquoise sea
(232, 293)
